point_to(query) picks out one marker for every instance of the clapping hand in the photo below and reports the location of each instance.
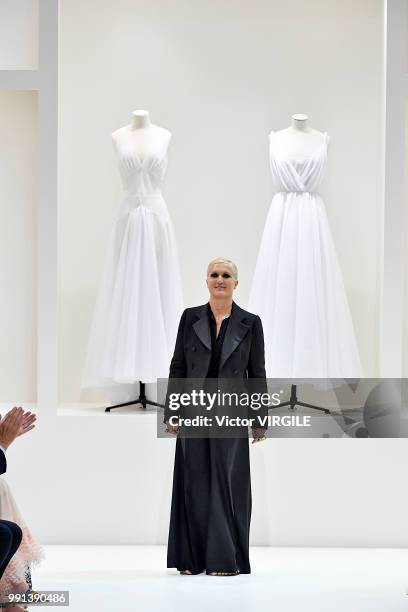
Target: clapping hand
(15, 423)
(28, 423)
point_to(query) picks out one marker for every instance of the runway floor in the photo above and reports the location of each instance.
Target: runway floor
(135, 578)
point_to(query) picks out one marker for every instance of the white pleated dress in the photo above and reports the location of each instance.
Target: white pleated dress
(140, 300)
(297, 289)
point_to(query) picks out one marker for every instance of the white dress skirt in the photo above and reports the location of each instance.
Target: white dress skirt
(297, 289)
(140, 300)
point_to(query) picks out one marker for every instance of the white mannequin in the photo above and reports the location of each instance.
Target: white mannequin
(141, 138)
(140, 300)
(299, 140)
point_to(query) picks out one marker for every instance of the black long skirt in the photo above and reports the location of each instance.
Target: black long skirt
(211, 506)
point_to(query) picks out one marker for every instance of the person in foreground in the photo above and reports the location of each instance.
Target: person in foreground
(211, 501)
(15, 423)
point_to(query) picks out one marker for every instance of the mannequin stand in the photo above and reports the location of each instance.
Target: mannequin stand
(293, 402)
(142, 400)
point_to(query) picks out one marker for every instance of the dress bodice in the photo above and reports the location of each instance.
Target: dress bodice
(302, 175)
(141, 177)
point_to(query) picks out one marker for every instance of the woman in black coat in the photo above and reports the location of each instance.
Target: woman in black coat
(211, 502)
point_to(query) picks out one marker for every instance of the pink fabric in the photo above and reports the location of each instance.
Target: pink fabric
(30, 551)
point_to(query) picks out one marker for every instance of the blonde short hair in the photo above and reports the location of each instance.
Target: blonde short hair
(226, 262)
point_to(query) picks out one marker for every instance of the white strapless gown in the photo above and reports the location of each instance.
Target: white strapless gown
(140, 300)
(297, 288)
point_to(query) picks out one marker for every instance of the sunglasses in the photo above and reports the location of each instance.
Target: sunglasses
(225, 275)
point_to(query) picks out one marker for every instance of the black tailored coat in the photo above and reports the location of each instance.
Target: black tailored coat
(3, 462)
(211, 500)
(242, 357)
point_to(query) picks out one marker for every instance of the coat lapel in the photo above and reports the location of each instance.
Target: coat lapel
(236, 332)
(202, 328)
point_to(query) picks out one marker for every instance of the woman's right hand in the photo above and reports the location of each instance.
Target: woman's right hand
(172, 429)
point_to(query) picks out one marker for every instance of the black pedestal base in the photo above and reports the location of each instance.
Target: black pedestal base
(142, 401)
(293, 402)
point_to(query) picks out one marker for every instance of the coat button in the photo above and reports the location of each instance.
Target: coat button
(192, 366)
(193, 348)
(235, 371)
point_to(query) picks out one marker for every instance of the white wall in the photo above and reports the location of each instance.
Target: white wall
(108, 479)
(18, 155)
(18, 34)
(219, 76)
(405, 339)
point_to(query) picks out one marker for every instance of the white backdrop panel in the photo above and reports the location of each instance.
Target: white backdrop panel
(18, 34)
(405, 343)
(18, 189)
(220, 76)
